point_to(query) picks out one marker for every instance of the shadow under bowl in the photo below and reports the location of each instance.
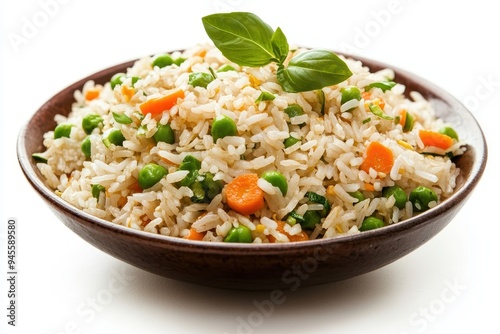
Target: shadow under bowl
(262, 266)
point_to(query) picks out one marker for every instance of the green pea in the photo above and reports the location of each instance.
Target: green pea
(449, 131)
(371, 223)
(90, 122)
(290, 141)
(86, 145)
(200, 79)
(134, 80)
(311, 219)
(62, 130)
(399, 195)
(421, 196)
(410, 120)
(190, 163)
(350, 93)
(294, 110)
(291, 220)
(96, 190)
(164, 133)
(179, 61)
(276, 179)
(357, 195)
(226, 68)
(150, 175)
(223, 126)
(162, 61)
(117, 79)
(239, 234)
(113, 136)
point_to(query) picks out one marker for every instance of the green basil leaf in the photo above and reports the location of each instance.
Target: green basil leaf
(384, 85)
(243, 38)
(280, 45)
(311, 70)
(122, 118)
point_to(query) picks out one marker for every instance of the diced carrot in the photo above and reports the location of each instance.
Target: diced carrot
(91, 94)
(158, 105)
(135, 187)
(380, 102)
(378, 157)
(402, 120)
(435, 139)
(366, 95)
(202, 53)
(194, 235)
(302, 236)
(369, 187)
(243, 195)
(128, 92)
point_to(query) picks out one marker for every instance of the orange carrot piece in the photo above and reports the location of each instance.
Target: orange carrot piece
(378, 157)
(202, 53)
(402, 120)
(302, 236)
(135, 187)
(435, 139)
(158, 105)
(243, 195)
(367, 96)
(91, 94)
(369, 187)
(195, 235)
(127, 92)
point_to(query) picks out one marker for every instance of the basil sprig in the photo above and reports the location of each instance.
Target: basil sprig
(246, 40)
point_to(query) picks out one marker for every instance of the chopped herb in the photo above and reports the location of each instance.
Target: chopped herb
(122, 118)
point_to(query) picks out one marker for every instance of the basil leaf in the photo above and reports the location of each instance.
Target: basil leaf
(243, 38)
(122, 118)
(280, 45)
(311, 70)
(384, 85)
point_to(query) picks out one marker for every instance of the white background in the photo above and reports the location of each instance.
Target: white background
(450, 285)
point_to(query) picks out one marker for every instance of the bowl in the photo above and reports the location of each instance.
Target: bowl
(262, 266)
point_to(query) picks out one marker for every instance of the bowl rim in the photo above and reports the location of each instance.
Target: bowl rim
(419, 221)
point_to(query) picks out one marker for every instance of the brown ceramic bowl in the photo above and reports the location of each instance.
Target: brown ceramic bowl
(262, 266)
